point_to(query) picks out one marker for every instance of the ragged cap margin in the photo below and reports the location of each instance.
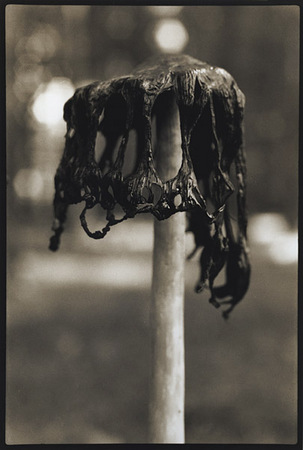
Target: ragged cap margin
(211, 108)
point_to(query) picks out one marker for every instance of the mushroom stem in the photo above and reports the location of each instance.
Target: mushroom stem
(166, 409)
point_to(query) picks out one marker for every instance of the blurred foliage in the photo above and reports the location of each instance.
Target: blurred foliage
(258, 45)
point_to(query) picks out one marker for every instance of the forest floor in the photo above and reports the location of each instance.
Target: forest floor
(78, 344)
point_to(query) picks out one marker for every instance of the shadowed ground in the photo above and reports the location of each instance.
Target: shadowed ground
(78, 345)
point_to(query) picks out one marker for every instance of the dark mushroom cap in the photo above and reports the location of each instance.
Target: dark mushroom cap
(211, 109)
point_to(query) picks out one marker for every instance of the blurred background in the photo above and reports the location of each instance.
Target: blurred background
(78, 319)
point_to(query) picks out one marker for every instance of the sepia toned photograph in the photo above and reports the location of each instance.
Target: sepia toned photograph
(152, 224)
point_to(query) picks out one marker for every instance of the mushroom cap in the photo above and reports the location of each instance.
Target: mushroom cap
(211, 109)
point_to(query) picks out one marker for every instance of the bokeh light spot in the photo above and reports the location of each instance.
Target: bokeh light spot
(49, 100)
(266, 226)
(170, 35)
(273, 234)
(44, 42)
(29, 184)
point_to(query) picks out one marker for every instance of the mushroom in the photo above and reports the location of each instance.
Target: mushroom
(211, 107)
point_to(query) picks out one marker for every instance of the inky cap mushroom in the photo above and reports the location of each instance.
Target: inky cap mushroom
(211, 109)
